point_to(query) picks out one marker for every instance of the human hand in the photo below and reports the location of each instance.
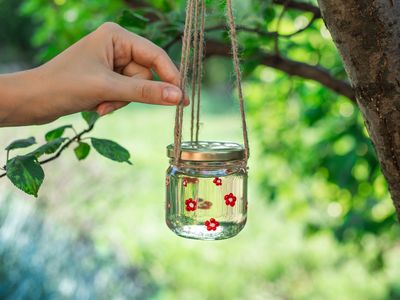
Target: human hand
(103, 71)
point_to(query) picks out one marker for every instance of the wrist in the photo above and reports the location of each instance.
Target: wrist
(18, 97)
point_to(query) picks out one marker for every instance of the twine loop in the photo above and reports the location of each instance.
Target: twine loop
(193, 37)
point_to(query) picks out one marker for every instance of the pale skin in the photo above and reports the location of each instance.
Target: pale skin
(102, 72)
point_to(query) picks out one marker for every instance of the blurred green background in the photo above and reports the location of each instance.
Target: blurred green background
(321, 223)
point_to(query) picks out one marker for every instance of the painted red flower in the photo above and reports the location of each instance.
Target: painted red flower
(230, 199)
(187, 180)
(167, 181)
(217, 181)
(191, 205)
(212, 224)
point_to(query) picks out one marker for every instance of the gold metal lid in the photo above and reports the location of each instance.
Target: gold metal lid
(208, 151)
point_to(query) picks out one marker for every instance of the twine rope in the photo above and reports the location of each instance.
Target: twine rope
(200, 65)
(187, 37)
(194, 35)
(236, 64)
(195, 67)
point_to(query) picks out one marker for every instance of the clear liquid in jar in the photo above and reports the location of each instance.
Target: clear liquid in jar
(206, 208)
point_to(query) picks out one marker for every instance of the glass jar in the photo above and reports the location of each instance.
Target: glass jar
(207, 191)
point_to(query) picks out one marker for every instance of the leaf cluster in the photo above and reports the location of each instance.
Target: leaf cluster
(25, 170)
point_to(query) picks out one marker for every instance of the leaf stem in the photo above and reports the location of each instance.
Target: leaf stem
(278, 25)
(77, 137)
(73, 129)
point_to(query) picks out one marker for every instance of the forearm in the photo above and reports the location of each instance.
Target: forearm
(102, 72)
(17, 91)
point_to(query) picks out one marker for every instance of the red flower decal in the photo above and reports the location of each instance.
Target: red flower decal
(167, 181)
(212, 224)
(187, 180)
(230, 199)
(191, 204)
(217, 181)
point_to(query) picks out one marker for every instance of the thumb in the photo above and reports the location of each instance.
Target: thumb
(141, 90)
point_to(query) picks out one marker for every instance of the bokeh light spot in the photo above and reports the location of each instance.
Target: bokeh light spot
(60, 2)
(334, 209)
(71, 15)
(346, 109)
(344, 145)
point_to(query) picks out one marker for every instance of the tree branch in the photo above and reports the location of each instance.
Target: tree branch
(242, 28)
(290, 67)
(66, 145)
(261, 32)
(289, 35)
(367, 36)
(302, 6)
(286, 65)
(75, 138)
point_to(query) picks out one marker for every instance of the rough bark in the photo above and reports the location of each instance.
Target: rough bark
(367, 34)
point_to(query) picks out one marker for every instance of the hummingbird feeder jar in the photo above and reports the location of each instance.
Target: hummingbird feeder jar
(206, 195)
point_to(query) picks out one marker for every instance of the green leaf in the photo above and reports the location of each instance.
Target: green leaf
(90, 117)
(56, 133)
(131, 19)
(222, 5)
(111, 150)
(23, 143)
(25, 173)
(49, 147)
(269, 13)
(82, 150)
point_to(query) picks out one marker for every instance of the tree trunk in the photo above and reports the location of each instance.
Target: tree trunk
(367, 34)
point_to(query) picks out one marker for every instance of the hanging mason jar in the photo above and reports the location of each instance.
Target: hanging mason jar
(207, 190)
(206, 181)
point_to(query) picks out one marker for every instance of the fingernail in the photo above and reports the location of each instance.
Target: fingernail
(172, 95)
(106, 110)
(186, 101)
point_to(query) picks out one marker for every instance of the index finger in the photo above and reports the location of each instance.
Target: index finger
(149, 55)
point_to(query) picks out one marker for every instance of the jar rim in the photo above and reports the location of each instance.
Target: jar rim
(208, 151)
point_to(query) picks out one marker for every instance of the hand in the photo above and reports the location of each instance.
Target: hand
(104, 71)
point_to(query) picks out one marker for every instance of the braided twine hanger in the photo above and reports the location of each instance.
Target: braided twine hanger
(193, 38)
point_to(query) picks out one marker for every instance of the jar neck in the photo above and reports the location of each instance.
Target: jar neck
(209, 164)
